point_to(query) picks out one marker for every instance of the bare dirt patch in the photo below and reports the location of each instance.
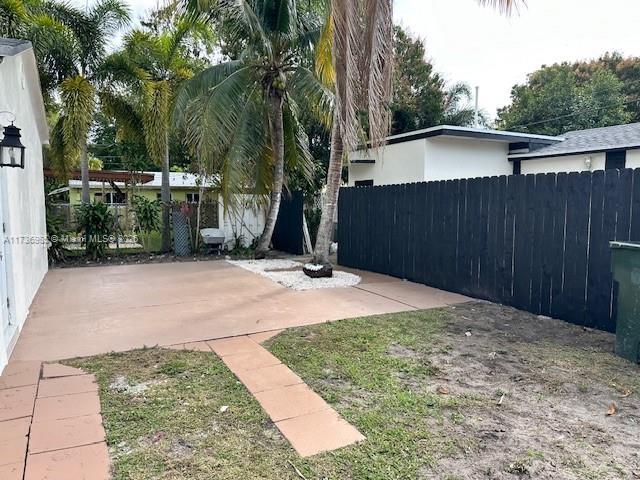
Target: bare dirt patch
(549, 386)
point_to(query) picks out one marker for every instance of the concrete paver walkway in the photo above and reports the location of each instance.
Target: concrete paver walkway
(303, 417)
(50, 424)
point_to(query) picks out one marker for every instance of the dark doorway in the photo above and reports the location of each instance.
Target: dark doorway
(616, 159)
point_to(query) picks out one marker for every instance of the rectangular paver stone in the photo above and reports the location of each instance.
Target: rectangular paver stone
(66, 406)
(13, 471)
(54, 387)
(234, 346)
(268, 378)
(289, 402)
(17, 402)
(19, 374)
(16, 428)
(90, 462)
(319, 432)
(250, 360)
(13, 451)
(67, 433)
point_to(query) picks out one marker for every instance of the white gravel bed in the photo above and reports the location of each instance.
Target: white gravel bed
(261, 266)
(280, 272)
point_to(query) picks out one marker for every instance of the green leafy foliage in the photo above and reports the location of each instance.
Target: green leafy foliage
(147, 218)
(421, 98)
(565, 97)
(96, 224)
(56, 233)
(232, 98)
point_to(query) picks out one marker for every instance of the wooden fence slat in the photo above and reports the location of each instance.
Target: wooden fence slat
(595, 265)
(558, 302)
(547, 184)
(522, 249)
(635, 206)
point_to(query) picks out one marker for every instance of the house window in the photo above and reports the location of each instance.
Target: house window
(110, 197)
(193, 197)
(113, 197)
(159, 196)
(616, 159)
(364, 183)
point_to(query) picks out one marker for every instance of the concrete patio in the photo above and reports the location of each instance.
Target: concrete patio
(93, 310)
(50, 415)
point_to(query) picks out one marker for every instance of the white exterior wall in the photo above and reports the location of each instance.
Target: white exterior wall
(633, 158)
(397, 163)
(569, 163)
(450, 158)
(246, 219)
(22, 196)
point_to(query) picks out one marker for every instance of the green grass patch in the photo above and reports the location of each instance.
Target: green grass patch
(162, 408)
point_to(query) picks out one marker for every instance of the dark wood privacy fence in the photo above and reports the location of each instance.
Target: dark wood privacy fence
(287, 235)
(537, 242)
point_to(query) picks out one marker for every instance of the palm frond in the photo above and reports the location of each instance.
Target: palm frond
(199, 85)
(127, 116)
(324, 68)
(298, 157)
(379, 66)
(110, 15)
(504, 6)
(78, 100)
(156, 119)
(311, 94)
(60, 159)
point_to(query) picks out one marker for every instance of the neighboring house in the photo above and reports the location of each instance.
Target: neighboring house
(243, 221)
(594, 149)
(23, 247)
(184, 188)
(448, 152)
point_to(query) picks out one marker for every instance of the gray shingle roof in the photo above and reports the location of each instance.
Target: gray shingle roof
(10, 46)
(592, 140)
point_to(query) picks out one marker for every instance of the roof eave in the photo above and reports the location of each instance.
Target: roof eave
(537, 156)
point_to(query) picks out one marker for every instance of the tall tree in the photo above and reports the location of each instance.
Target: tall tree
(92, 30)
(418, 91)
(555, 100)
(362, 35)
(43, 23)
(143, 80)
(243, 115)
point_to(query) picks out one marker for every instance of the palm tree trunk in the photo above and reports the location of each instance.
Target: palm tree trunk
(84, 172)
(165, 195)
(276, 124)
(334, 177)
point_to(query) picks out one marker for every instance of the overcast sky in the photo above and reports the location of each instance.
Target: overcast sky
(479, 46)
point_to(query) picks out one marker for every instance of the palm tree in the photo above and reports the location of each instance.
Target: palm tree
(42, 22)
(243, 115)
(149, 70)
(362, 39)
(457, 107)
(90, 32)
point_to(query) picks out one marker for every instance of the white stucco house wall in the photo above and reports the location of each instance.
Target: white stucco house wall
(23, 248)
(448, 152)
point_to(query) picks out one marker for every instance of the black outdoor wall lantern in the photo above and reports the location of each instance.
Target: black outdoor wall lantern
(11, 148)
